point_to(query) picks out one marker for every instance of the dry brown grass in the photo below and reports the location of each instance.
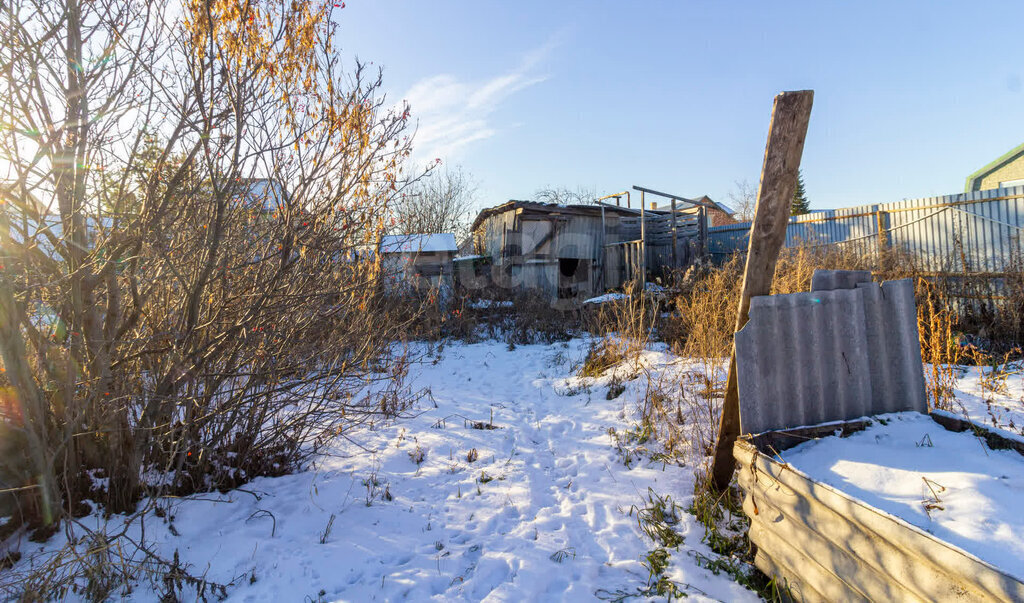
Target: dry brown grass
(940, 350)
(517, 317)
(701, 324)
(624, 328)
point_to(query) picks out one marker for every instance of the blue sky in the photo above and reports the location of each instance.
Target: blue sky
(910, 97)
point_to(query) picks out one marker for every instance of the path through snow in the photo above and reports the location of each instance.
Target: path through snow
(543, 513)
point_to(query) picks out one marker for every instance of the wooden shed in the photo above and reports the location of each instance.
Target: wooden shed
(569, 251)
(419, 260)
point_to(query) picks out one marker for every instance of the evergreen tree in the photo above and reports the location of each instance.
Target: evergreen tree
(800, 203)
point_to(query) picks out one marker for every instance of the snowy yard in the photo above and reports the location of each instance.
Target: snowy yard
(506, 484)
(993, 398)
(541, 507)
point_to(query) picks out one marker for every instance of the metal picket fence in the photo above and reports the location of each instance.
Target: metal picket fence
(970, 234)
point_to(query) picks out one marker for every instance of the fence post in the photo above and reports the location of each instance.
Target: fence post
(702, 230)
(882, 217)
(675, 240)
(643, 244)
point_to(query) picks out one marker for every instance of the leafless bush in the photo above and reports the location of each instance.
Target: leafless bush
(442, 202)
(625, 327)
(704, 315)
(98, 565)
(564, 195)
(939, 348)
(186, 301)
(662, 414)
(517, 317)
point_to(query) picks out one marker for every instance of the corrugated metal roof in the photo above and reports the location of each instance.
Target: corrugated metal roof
(829, 355)
(586, 210)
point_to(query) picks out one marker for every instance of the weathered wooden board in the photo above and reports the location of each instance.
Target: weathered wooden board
(826, 545)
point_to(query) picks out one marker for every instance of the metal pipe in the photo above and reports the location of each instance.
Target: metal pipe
(604, 204)
(616, 196)
(668, 196)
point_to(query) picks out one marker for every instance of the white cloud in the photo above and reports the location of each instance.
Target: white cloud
(453, 113)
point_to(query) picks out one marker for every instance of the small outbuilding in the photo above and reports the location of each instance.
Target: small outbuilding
(573, 251)
(421, 260)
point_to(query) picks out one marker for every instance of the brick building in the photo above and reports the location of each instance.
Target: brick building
(1005, 171)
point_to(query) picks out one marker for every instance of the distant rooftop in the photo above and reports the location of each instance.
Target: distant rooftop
(690, 203)
(418, 243)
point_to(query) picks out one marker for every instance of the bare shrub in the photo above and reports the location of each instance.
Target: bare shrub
(940, 350)
(563, 195)
(517, 317)
(185, 298)
(601, 356)
(441, 202)
(666, 413)
(705, 314)
(99, 565)
(625, 327)
(536, 320)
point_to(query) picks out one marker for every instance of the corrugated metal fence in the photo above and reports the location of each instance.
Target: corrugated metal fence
(965, 233)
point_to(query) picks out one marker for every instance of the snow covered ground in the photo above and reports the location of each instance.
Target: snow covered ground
(994, 398)
(607, 297)
(949, 484)
(544, 505)
(541, 507)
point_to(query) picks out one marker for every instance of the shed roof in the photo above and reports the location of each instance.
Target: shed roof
(418, 243)
(552, 208)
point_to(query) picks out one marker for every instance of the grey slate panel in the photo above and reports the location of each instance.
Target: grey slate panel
(830, 355)
(894, 348)
(827, 280)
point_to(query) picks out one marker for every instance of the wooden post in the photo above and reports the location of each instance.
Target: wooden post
(702, 230)
(883, 231)
(643, 244)
(675, 241)
(790, 116)
(601, 253)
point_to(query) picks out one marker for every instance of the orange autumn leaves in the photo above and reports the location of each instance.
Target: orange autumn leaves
(279, 38)
(283, 49)
(278, 43)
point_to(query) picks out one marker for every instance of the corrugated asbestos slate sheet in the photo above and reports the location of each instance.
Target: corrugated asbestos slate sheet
(827, 280)
(846, 350)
